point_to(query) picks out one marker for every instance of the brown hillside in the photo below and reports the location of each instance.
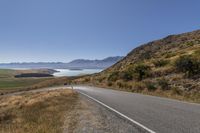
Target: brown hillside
(167, 67)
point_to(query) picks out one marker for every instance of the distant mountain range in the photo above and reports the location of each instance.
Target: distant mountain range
(75, 64)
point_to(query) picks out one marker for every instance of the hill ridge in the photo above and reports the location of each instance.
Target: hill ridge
(167, 67)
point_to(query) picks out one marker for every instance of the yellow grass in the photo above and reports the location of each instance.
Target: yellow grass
(41, 112)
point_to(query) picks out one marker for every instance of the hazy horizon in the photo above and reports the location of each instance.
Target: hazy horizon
(58, 61)
(61, 31)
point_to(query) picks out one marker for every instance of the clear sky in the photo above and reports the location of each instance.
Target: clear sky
(62, 30)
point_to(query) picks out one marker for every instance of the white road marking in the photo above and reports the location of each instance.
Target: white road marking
(124, 116)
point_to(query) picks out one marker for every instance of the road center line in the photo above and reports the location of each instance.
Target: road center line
(124, 116)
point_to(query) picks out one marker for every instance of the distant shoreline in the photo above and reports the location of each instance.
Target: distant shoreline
(75, 69)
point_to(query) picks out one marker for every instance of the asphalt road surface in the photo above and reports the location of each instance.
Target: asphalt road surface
(155, 114)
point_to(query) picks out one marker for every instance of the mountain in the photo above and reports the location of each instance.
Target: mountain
(105, 63)
(75, 64)
(167, 67)
(33, 65)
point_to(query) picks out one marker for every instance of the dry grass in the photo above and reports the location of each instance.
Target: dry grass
(41, 112)
(8, 82)
(25, 84)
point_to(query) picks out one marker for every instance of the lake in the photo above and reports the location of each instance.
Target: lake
(69, 72)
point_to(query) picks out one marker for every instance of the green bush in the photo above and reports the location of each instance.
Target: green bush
(141, 71)
(113, 76)
(160, 63)
(191, 43)
(126, 75)
(163, 83)
(188, 65)
(150, 86)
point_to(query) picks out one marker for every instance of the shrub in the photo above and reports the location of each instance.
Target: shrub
(120, 84)
(169, 55)
(150, 86)
(124, 85)
(141, 71)
(197, 52)
(188, 65)
(163, 83)
(86, 79)
(146, 55)
(113, 76)
(109, 83)
(139, 86)
(126, 75)
(160, 63)
(127, 86)
(176, 91)
(191, 43)
(100, 80)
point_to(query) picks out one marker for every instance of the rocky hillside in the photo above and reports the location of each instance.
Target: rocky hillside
(168, 67)
(167, 48)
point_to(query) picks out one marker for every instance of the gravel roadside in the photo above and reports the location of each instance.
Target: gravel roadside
(90, 117)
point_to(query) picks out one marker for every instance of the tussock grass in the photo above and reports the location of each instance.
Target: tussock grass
(42, 112)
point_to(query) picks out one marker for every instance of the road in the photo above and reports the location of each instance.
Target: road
(153, 114)
(86, 116)
(156, 114)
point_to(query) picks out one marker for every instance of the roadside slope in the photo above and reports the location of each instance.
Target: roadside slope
(168, 67)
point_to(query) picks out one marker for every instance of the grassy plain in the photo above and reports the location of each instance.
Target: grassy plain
(8, 82)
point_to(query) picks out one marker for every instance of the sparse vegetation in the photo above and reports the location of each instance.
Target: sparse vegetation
(169, 55)
(160, 63)
(169, 67)
(126, 75)
(141, 71)
(188, 65)
(42, 112)
(87, 79)
(163, 83)
(109, 83)
(113, 76)
(176, 91)
(146, 55)
(150, 86)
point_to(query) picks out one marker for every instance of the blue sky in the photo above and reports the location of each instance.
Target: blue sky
(63, 30)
